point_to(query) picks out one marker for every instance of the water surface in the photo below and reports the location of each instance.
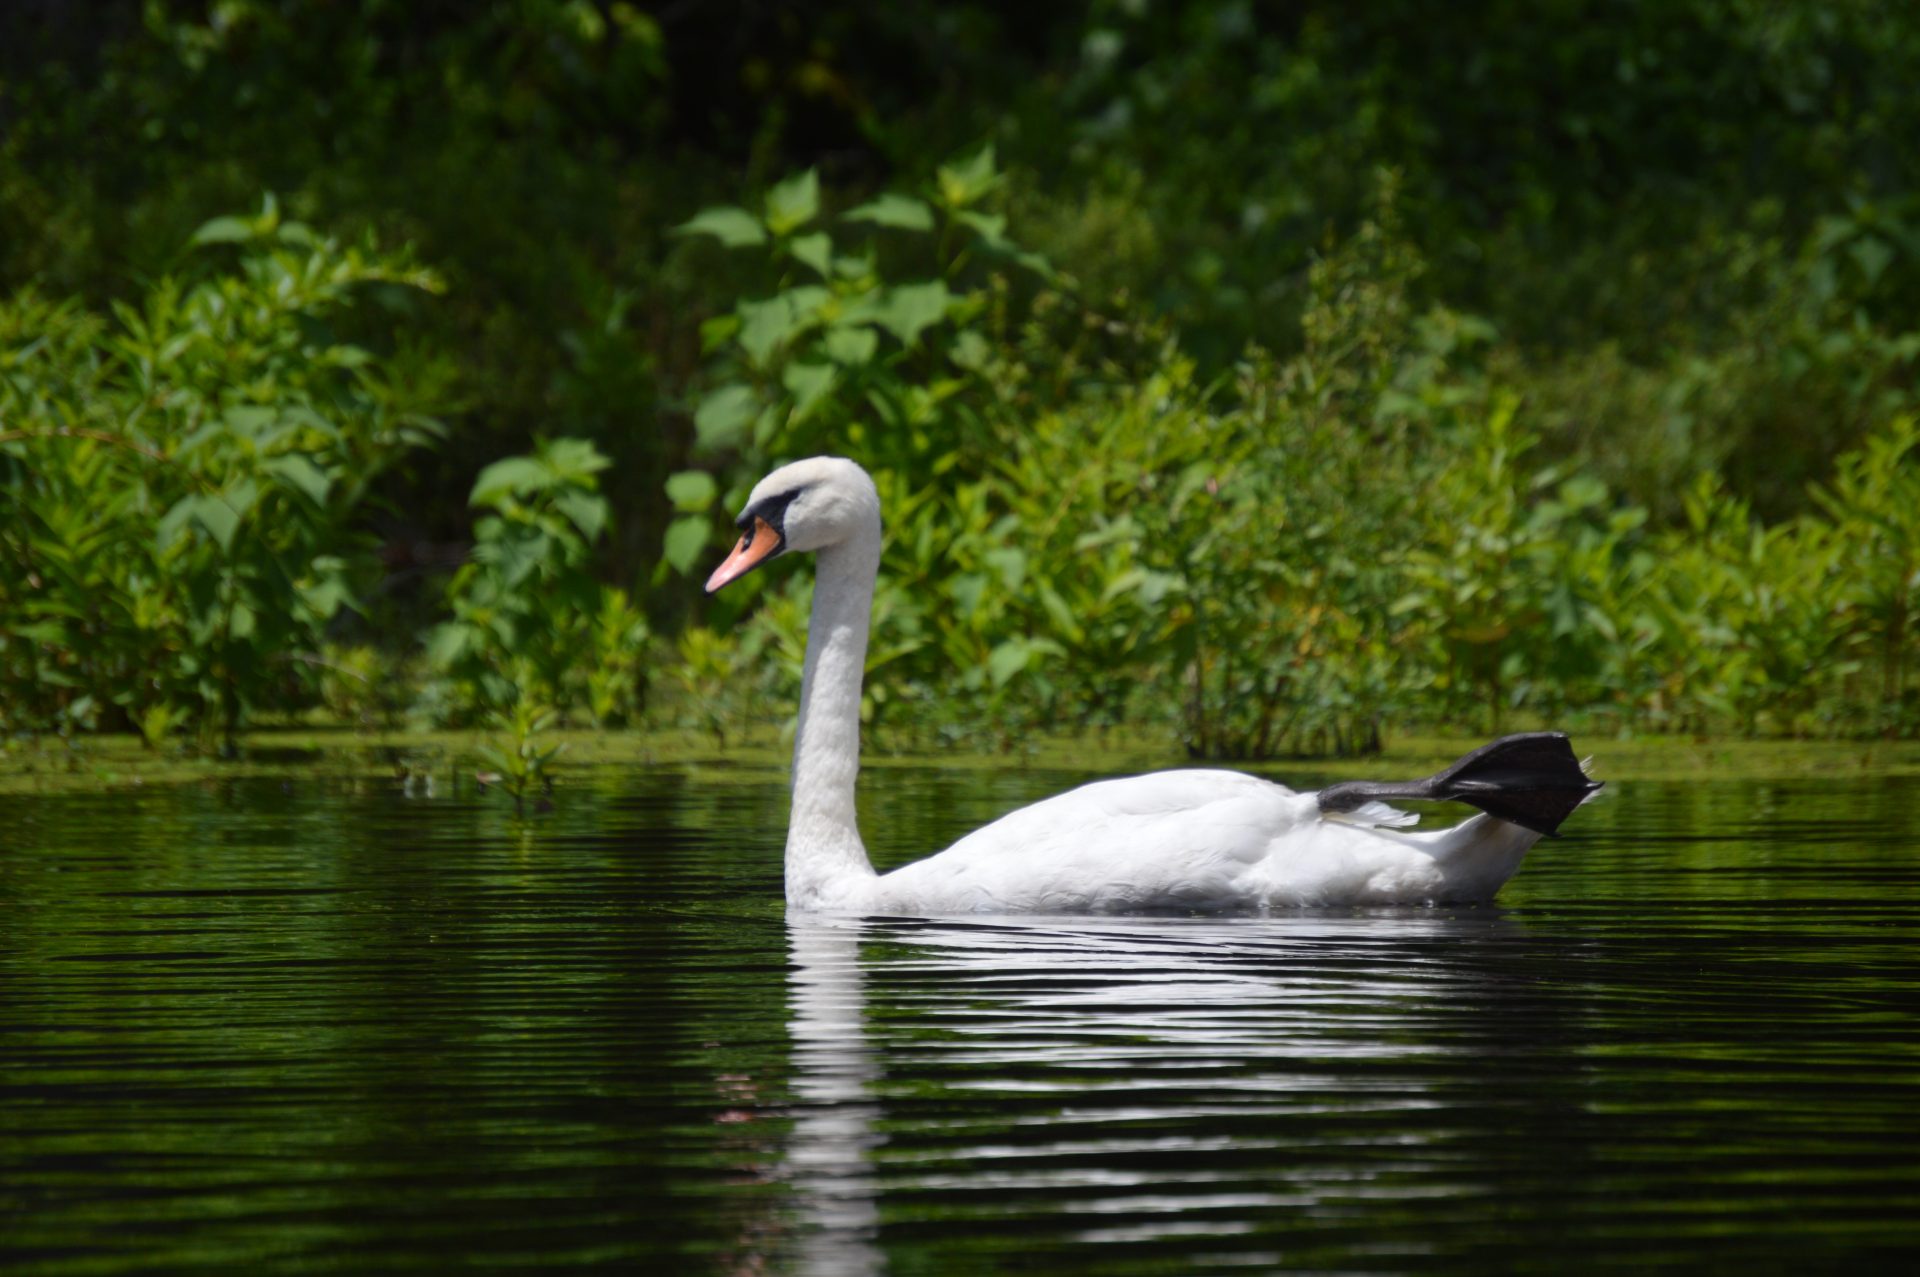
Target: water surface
(325, 1026)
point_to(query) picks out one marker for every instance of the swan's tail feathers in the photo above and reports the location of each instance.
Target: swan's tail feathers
(1532, 780)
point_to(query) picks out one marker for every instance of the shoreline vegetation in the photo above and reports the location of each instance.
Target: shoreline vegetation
(1231, 379)
(402, 761)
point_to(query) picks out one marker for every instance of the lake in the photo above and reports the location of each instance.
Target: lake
(326, 1025)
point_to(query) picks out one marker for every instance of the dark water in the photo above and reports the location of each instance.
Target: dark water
(328, 1027)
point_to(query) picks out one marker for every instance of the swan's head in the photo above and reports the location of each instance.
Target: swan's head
(809, 505)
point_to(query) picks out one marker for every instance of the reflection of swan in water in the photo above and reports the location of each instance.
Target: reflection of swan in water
(830, 1161)
(1092, 1042)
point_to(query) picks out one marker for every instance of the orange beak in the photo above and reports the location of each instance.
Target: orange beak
(759, 544)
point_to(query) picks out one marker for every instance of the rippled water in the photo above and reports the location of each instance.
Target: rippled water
(327, 1027)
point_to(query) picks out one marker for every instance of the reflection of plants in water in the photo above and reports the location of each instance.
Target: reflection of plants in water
(520, 763)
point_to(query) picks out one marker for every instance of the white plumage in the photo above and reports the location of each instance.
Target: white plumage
(1193, 840)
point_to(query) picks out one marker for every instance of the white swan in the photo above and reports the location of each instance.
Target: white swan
(1174, 840)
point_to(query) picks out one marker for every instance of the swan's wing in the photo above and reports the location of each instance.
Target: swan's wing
(1169, 840)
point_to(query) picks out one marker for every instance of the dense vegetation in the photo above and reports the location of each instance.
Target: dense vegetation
(1272, 376)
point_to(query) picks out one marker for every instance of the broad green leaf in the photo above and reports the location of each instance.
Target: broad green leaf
(586, 511)
(507, 477)
(449, 644)
(910, 309)
(815, 250)
(967, 180)
(763, 326)
(173, 522)
(573, 460)
(733, 227)
(851, 347)
(794, 202)
(901, 212)
(971, 351)
(685, 540)
(1007, 660)
(808, 383)
(692, 491)
(295, 471)
(326, 597)
(990, 227)
(219, 516)
(224, 230)
(724, 414)
(1011, 562)
(717, 332)
(248, 420)
(519, 557)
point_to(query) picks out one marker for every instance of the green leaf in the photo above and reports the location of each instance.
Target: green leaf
(685, 540)
(1007, 660)
(901, 212)
(723, 415)
(967, 180)
(815, 250)
(692, 491)
(794, 202)
(573, 461)
(808, 383)
(223, 230)
(586, 511)
(763, 326)
(990, 227)
(717, 332)
(733, 227)
(248, 420)
(449, 643)
(851, 347)
(220, 517)
(173, 522)
(297, 472)
(910, 309)
(507, 477)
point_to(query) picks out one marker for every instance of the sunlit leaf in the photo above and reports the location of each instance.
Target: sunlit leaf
(733, 227)
(587, 511)
(509, 477)
(723, 415)
(297, 472)
(808, 383)
(968, 180)
(852, 347)
(815, 250)
(794, 202)
(686, 538)
(573, 460)
(901, 212)
(910, 309)
(224, 230)
(692, 491)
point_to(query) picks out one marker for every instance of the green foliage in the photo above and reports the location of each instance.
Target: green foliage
(1595, 416)
(184, 481)
(530, 624)
(520, 763)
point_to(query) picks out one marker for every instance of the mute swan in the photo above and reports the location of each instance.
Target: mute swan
(1174, 840)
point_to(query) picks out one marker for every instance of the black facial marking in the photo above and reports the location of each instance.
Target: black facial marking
(771, 509)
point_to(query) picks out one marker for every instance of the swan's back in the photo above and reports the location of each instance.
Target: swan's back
(1174, 840)
(1203, 841)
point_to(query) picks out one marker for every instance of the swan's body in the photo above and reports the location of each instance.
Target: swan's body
(1194, 840)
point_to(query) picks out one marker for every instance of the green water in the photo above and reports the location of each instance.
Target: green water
(325, 1026)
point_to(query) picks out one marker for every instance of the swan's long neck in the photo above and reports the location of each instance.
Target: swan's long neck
(826, 863)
